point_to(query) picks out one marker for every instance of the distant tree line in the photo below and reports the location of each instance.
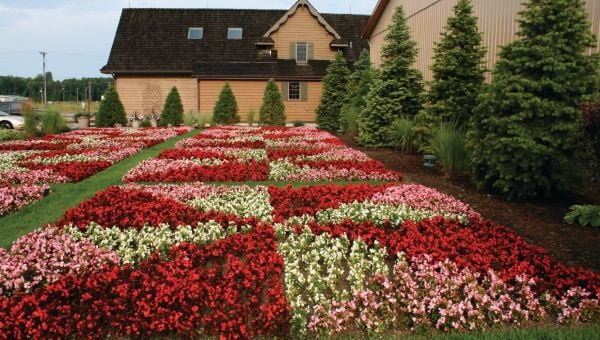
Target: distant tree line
(74, 89)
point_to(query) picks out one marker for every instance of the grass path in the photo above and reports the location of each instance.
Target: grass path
(68, 195)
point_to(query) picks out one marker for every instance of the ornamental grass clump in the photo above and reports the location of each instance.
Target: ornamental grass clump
(449, 143)
(53, 123)
(402, 135)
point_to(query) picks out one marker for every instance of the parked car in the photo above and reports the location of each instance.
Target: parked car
(8, 121)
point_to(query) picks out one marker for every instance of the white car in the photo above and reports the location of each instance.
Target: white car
(8, 121)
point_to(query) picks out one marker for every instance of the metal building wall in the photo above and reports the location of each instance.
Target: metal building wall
(497, 21)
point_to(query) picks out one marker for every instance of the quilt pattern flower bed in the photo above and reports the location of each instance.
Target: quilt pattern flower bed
(26, 167)
(237, 154)
(194, 260)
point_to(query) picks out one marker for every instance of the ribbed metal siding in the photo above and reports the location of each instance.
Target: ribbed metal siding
(497, 21)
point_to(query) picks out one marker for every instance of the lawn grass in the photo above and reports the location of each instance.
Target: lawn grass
(579, 332)
(68, 195)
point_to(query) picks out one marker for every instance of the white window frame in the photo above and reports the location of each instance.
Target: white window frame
(201, 29)
(290, 90)
(305, 45)
(234, 29)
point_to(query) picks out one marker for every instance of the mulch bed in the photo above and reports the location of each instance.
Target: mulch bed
(539, 222)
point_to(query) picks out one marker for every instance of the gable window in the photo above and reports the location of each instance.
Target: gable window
(302, 53)
(234, 33)
(294, 90)
(195, 33)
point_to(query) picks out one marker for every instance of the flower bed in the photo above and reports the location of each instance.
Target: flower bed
(27, 166)
(257, 154)
(239, 261)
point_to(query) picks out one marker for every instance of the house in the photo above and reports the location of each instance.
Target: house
(427, 19)
(197, 50)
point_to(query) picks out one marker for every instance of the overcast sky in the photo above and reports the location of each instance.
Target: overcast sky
(78, 34)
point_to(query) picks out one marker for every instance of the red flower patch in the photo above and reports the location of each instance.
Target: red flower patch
(75, 171)
(231, 289)
(288, 202)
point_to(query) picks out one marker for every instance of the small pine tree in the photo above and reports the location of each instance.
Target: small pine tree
(458, 71)
(524, 129)
(333, 95)
(226, 108)
(111, 110)
(172, 112)
(397, 88)
(272, 111)
(359, 83)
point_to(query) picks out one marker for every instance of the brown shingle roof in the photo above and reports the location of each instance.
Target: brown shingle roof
(155, 40)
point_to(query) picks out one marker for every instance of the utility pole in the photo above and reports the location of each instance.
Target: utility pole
(77, 90)
(89, 99)
(44, 73)
(63, 92)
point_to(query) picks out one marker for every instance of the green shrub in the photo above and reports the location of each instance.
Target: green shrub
(226, 108)
(272, 111)
(298, 123)
(349, 120)
(396, 90)
(448, 142)
(584, 215)
(172, 113)
(334, 94)
(53, 123)
(523, 138)
(250, 118)
(6, 135)
(111, 110)
(146, 123)
(28, 111)
(402, 135)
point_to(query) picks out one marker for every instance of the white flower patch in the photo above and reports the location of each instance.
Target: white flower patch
(377, 213)
(68, 159)
(9, 159)
(134, 246)
(281, 169)
(242, 201)
(206, 161)
(317, 267)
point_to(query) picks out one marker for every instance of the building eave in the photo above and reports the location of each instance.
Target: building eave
(374, 19)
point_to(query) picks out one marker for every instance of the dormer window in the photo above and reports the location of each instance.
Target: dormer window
(234, 33)
(301, 53)
(195, 33)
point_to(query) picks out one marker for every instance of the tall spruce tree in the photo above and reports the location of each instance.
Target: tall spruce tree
(272, 111)
(111, 110)
(397, 88)
(524, 129)
(226, 108)
(359, 83)
(458, 71)
(334, 93)
(172, 112)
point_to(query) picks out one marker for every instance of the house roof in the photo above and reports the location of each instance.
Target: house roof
(155, 40)
(374, 19)
(280, 69)
(313, 11)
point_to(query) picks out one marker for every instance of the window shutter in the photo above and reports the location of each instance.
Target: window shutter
(284, 90)
(292, 50)
(304, 91)
(311, 51)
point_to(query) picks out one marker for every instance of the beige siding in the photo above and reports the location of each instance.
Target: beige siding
(303, 27)
(497, 21)
(143, 93)
(249, 95)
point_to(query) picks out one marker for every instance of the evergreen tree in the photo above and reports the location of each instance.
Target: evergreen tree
(226, 108)
(397, 88)
(272, 111)
(458, 71)
(524, 128)
(333, 95)
(172, 112)
(359, 83)
(111, 110)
